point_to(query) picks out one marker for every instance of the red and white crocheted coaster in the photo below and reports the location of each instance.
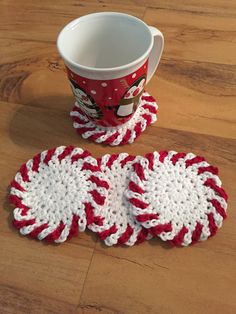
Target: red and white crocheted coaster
(119, 226)
(53, 191)
(177, 196)
(145, 115)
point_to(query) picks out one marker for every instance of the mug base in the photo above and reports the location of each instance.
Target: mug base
(126, 133)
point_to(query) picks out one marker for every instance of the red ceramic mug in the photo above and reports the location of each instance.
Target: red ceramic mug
(109, 58)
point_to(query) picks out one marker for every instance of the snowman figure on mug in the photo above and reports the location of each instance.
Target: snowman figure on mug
(85, 102)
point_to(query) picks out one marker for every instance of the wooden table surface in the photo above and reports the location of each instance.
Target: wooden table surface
(195, 87)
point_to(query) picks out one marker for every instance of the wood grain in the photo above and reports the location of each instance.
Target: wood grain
(195, 88)
(43, 22)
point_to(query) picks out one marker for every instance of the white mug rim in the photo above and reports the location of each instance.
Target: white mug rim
(113, 69)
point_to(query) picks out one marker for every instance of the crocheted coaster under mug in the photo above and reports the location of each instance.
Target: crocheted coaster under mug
(145, 115)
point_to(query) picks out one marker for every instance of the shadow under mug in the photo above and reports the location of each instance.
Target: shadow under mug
(109, 58)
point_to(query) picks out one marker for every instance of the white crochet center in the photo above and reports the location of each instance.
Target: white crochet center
(177, 195)
(55, 193)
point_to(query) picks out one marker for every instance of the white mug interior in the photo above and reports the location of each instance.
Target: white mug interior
(105, 40)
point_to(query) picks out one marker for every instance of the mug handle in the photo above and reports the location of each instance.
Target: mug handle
(156, 51)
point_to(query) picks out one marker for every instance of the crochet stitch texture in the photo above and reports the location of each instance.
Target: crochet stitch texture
(145, 115)
(53, 191)
(177, 196)
(125, 199)
(119, 225)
